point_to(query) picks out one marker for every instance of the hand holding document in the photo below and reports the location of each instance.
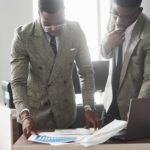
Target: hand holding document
(105, 133)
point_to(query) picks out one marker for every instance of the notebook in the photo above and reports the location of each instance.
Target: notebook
(138, 126)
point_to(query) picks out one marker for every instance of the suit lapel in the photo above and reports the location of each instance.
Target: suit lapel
(64, 45)
(135, 39)
(42, 46)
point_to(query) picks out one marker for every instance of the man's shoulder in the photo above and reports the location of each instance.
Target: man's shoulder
(146, 25)
(73, 25)
(146, 18)
(144, 30)
(25, 29)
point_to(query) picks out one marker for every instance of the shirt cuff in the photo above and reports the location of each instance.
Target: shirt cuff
(25, 109)
(87, 108)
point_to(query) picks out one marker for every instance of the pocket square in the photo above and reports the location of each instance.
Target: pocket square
(72, 49)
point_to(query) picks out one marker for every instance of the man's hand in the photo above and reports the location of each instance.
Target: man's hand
(92, 120)
(28, 126)
(113, 39)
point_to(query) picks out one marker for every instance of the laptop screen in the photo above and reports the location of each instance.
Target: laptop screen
(139, 119)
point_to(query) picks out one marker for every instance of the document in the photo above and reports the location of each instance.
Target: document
(103, 134)
(77, 131)
(62, 136)
(52, 139)
(85, 137)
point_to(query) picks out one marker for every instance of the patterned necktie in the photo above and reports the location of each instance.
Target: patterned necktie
(53, 44)
(117, 69)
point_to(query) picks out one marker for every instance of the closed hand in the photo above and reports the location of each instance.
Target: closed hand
(92, 120)
(28, 127)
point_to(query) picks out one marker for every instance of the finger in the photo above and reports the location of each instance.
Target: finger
(112, 28)
(25, 133)
(28, 132)
(120, 41)
(117, 31)
(98, 123)
(34, 132)
(93, 122)
(123, 38)
(87, 124)
(116, 36)
(94, 125)
(29, 129)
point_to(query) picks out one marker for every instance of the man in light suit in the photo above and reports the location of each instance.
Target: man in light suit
(129, 28)
(42, 84)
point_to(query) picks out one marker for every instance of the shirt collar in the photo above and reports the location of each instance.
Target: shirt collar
(130, 28)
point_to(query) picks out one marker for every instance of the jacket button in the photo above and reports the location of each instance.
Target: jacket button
(46, 104)
(40, 68)
(49, 85)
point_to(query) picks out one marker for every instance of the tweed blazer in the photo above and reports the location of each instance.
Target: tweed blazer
(43, 83)
(135, 73)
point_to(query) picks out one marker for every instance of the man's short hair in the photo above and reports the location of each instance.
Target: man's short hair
(50, 6)
(128, 3)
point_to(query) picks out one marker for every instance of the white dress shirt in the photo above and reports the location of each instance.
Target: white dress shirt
(128, 33)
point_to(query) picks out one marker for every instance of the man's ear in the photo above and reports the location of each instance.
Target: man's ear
(140, 10)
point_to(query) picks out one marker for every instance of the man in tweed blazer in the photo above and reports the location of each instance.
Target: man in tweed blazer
(42, 84)
(130, 27)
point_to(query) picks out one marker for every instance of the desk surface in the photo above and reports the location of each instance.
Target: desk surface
(23, 144)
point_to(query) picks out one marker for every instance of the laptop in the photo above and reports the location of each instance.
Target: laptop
(138, 126)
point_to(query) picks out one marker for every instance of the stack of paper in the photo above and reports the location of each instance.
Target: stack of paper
(52, 139)
(77, 131)
(104, 133)
(59, 137)
(85, 137)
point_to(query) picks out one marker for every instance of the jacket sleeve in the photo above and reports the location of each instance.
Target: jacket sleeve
(145, 87)
(103, 51)
(19, 71)
(85, 68)
(105, 54)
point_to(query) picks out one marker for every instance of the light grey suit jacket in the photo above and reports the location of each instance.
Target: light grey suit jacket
(135, 74)
(44, 84)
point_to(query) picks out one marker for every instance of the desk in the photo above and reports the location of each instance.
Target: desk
(23, 144)
(8, 127)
